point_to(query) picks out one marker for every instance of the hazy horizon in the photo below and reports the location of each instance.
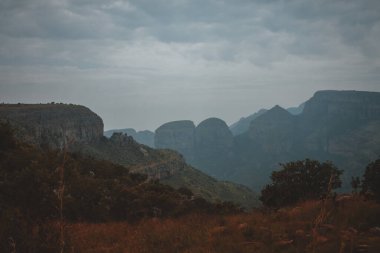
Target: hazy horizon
(140, 63)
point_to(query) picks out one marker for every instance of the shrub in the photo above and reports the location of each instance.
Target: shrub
(371, 180)
(300, 180)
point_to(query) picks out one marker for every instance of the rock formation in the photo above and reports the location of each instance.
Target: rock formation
(145, 137)
(177, 135)
(341, 126)
(213, 147)
(212, 138)
(55, 125)
(48, 124)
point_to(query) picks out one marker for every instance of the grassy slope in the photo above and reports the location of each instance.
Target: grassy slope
(211, 189)
(179, 173)
(347, 227)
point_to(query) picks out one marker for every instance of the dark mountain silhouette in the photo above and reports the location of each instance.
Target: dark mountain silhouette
(242, 125)
(341, 126)
(296, 110)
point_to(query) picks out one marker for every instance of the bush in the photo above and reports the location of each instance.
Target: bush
(300, 180)
(371, 180)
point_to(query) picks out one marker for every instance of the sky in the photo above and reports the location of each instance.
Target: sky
(141, 63)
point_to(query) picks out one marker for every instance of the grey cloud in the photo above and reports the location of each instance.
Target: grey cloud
(237, 55)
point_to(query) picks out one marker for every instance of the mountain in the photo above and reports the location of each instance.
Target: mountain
(213, 147)
(242, 125)
(46, 125)
(56, 126)
(273, 130)
(177, 135)
(209, 146)
(340, 126)
(296, 110)
(145, 137)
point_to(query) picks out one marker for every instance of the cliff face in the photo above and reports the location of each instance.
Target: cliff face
(53, 125)
(343, 105)
(340, 126)
(212, 139)
(214, 145)
(177, 135)
(207, 146)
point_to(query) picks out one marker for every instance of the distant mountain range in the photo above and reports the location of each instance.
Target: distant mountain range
(341, 126)
(243, 124)
(61, 126)
(145, 137)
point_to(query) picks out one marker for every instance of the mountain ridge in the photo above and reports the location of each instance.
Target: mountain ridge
(81, 130)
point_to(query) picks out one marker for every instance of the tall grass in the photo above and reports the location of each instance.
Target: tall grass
(288, 230)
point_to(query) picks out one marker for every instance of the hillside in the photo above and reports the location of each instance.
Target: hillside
(81, 130)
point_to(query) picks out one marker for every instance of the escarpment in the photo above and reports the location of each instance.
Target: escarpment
(53, 125)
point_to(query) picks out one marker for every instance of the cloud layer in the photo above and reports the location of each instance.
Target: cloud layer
(141, 63)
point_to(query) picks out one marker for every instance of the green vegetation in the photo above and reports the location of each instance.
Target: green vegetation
(94, 191)
(300, 180)
(371, 180)
(170, 168)
(212, 189)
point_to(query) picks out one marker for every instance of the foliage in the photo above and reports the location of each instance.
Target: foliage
(95, 191)
(300, 180)
(371, 180)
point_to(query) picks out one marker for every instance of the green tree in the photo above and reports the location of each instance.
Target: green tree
(371, 180)
(300, 180)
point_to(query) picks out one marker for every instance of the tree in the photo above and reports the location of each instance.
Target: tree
(371, 180)
(300, 180)
(355, 184)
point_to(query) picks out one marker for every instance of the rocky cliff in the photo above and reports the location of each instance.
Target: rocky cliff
(55, 125)
(177, 135)
(341, 126)
(48, 124)
(206, 146)
(213, 147)
(343, 105)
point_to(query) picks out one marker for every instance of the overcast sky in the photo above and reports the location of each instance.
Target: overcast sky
(141, 63)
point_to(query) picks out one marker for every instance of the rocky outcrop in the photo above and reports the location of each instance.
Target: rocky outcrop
(177, 135)
(207, 146)
(53, 125)
(213, 147)
(213, 135)
(343, 105)
(145, 137)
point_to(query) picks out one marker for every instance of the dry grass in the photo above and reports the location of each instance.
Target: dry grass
(346, 229)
